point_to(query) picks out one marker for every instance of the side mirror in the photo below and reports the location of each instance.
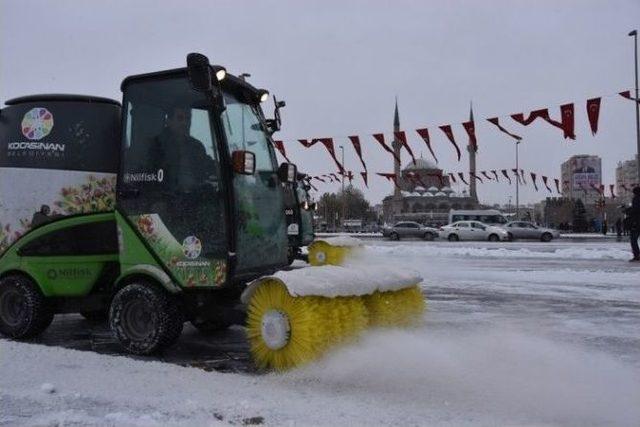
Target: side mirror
(199, 72)
(287, 172)
(274, 124)
(244, 162)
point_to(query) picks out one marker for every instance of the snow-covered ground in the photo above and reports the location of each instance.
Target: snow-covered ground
(515, 334)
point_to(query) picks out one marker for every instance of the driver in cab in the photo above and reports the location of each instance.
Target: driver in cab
(187, 166)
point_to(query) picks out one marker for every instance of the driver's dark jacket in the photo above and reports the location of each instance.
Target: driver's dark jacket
(184, 161)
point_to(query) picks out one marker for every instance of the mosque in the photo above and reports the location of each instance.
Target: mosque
(423, 192)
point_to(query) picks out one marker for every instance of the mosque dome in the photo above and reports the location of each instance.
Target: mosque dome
(421, 164)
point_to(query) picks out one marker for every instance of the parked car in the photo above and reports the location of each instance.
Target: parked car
(528, 230)
(472, 230)
(405, 229)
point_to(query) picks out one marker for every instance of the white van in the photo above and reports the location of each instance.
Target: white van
(486, 216)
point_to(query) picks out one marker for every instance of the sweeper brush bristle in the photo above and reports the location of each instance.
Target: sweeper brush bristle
(403, 307)
(312, 324)
(323, 253)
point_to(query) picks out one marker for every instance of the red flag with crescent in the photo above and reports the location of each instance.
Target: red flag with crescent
(557, 181)
(593, 112)
(380, 138)
(307, 142)
(568, 121)
(544, 180)
(402, 137)
(390, 176)
(364, 178)
(495, 121)
(470, 127)
(328, 143)
(506, 175)
(424, 134)
(533, 179)
(461, 176)
(453, 177)
(447, 131)
(613, 196)
(541, 113)
(474, 176)
(280, 147)
(355, 141)
(495, 174)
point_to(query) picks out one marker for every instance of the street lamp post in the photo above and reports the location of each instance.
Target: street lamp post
(517, 182)
(634, 34)
(344, 196)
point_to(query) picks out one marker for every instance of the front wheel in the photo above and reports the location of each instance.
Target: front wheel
(546, 237)
(493, 238)
(394, 236)
(511, 238)
(453, 237)
(145, 318)
(428, 236)
(24, 311)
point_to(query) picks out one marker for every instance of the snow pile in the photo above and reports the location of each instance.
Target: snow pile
(342, 240)
(332, 281)
(587, 253)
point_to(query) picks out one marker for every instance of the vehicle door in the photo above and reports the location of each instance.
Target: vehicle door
(478, 231)
(413, 229)
(261, 228)
(463, 230)
(530, 230)
(170, 186)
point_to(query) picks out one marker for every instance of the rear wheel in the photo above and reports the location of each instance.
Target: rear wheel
(24, 311)
(428, 236)
(546, 237)
(145, 318)
(394, 236)
(511, 238)
(493, 238)
(453, 237)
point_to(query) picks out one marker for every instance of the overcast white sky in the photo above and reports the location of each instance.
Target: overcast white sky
(339, 65)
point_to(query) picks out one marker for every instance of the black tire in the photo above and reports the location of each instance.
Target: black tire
(211, 327)
(24, 311)
(394, 236)
(428, 236)
(511, 238)
(546, 237)
(494, 238)
(96, 316)
(145, 318)
(453, 238)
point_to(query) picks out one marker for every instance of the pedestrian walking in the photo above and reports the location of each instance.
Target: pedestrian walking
(633, 215)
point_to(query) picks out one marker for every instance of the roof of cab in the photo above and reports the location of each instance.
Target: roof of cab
(59, 97)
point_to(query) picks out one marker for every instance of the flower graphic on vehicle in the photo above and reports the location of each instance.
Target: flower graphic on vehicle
(37, 123)
(191, 247)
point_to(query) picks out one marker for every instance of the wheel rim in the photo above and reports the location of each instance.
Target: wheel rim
(138, 320)
(13, 307)
(276, 329)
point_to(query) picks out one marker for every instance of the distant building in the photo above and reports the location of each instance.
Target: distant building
(422, 192)
(580, 174)
(626, 179)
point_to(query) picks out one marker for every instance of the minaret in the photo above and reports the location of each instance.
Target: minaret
(472, 163)
(396, 149)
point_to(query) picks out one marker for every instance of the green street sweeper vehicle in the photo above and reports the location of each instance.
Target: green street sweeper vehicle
(167, 208)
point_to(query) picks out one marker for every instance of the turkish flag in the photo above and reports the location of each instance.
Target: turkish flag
(533, 178)
(545, 179)
(470, 127)
(593, 112)
(402, 137)
(424, 134)
(484, 173)
(447, 131)
(541, 113)
(390, 177)
(506, 175)
(627, 94)
(328, 143)
(380, 138)
(307, 142)
(474, 176)
(461, 176)
(496, 122)
(557, 181)
(355, 141)
(280, 147)
(364, 178)
(568, 121)
(453, 177)
(319, 179)
(495, 174)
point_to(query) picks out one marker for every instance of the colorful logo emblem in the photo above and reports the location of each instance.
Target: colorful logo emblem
(37, 123)
(191, 247)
